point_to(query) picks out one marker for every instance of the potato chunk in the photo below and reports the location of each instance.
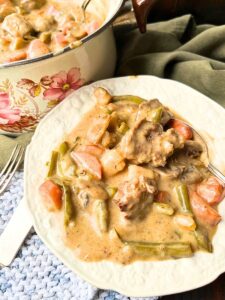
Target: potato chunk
(112, 162)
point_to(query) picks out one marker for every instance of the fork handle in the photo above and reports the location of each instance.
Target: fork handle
(216, 172)
(15, 233)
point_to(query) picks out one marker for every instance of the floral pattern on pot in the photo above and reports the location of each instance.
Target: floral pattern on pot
(22, 106)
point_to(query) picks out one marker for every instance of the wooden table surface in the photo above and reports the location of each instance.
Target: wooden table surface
(213, 291)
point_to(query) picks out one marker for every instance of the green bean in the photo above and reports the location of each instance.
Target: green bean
(101, 212)
(68, 205)
(153, 250)
(176, 250)
(63, 148)
(60, 180)
(163, 208)
(53, 164)
(130, 98)
(182, 193)
(156, 115)
(203, 240)
(111, 191)
(173, 249)
(59, 167)
(57, 181)
(123, 128)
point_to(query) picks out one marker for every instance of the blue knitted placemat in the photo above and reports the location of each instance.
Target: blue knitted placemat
(36, 273)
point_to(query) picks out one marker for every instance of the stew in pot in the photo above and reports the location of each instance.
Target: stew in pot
(31, 28)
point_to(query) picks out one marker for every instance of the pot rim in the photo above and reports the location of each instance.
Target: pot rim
(68, 48)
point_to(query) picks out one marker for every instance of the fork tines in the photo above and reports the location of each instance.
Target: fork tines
(11, 166)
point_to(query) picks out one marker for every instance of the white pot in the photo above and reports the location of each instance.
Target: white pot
(26, 90)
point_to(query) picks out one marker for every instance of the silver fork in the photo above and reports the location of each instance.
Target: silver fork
(84, 7)
(11, 166)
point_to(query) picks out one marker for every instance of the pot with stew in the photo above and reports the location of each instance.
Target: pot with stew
(48, 49)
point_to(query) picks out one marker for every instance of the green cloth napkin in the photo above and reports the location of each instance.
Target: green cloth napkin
(179, 50)
(176, 49)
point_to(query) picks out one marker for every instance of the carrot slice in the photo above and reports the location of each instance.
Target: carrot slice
(51, 194)
(211, 191)
(203, 211)
(89, 162)
(60, 39)
(17, 55)
(182, 129)
(92, 149)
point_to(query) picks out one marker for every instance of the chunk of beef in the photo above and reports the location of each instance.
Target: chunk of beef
(164, 146)
(135, 196)
(145, 108)
(136, 145)
(184, 164)
(186, 171)
(170, 171)
(191, 174)
(147, 143)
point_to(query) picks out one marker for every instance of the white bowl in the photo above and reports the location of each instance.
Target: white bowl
(141, 278)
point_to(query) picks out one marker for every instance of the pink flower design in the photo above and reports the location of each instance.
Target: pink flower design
(8, 115)
(63, 84)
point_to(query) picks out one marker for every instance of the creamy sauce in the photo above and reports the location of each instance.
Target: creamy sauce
(91, 245)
